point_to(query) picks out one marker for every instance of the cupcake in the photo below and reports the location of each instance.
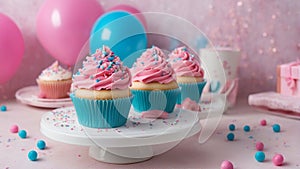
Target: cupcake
(154, 86)
(101, 95)
(54, 82)
(189, 74)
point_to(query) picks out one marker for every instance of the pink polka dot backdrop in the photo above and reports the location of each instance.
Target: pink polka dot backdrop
(267, 33)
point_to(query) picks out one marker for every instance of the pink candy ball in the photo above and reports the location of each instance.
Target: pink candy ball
(263, 122)
(278, 159)
(226, 165)
(259, 146)
(14, 129)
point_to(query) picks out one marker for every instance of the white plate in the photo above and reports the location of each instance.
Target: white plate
(29, 95)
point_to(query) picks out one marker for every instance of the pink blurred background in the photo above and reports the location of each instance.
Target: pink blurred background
(267, 32)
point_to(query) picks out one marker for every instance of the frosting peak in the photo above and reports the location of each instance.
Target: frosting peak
(102, 71)
(55, 72)
(184, 63)
(153, 67)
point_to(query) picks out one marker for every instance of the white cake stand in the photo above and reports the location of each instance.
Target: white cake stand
(139, 140)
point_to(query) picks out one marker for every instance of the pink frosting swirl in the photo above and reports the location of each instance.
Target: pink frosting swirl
(102, 71)
(185, 64)
(153, 67)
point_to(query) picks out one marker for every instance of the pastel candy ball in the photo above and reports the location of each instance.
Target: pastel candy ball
(230, 136)
(41, 144)
(14, 129)
(260, 156)
(246, 128)
(278, 159)
(259, 146)
(263, 122)
(3, 108)
(276, 128)
(32, 155)
(23, 134)
(226, 165)
(231, 127)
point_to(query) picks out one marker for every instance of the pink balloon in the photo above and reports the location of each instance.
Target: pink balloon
(11, 48)
(64, 26)
(131, 10)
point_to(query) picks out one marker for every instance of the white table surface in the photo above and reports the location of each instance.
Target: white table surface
(189, 154)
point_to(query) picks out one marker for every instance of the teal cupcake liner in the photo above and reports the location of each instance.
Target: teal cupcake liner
(102, 113)
(190, 90)
(145, 100)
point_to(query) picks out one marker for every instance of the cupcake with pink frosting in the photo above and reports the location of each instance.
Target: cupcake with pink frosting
(154, 86)
(54, 82)
(189, 74)
(101, 96)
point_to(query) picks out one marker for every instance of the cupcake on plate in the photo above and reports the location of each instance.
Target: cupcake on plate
(154, 86)
(189, 74)
(101, 96)
(54, 82)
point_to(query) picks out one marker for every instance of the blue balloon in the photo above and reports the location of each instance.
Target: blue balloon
(120, 31)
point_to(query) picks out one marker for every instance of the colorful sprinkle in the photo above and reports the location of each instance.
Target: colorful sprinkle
(3, 108)
(278, 160)
(22, 134)
(226, 165)
(259, 146)
(230, 136)
(231, 127)
(246, 128)
(260, 156)
(41, 144)
(263, 122)
(276, 128)
(111, 58)
(14, 129)
(32, 155)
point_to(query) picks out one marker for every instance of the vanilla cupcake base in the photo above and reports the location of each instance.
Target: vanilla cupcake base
(102, 94)
(154, 86)
(54, 89)
(188, 79)
(101, 113)
(154, 96)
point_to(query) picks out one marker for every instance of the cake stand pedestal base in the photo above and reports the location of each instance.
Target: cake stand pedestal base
(106, 155)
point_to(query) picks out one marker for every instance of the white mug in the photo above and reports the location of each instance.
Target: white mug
(221, 71)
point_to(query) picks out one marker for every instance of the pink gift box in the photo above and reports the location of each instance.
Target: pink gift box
(288, 79)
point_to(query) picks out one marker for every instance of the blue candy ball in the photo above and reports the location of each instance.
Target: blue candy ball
(230, 136)
(3, 108)
(22, 133)
(231, 127)
(41, 144)
(276, 128)
(32, 155)
(260, 156)
(246, 128)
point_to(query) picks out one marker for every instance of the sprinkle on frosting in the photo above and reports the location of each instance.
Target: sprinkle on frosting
(55, 72)
(185, 64)
(103, 70)
(152, 66)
